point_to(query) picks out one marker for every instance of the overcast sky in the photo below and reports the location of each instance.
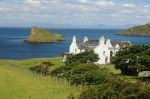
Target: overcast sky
(74, 12)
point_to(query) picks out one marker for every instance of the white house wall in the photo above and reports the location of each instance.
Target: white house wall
(102, 52)
(74, 48)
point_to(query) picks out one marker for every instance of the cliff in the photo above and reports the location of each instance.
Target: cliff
(142, 30)
(40, 35)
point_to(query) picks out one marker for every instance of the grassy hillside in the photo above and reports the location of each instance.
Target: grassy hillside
(143, 30)
(40, 35)
(18, 83)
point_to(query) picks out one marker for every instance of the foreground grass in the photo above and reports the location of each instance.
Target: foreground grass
(18, 83)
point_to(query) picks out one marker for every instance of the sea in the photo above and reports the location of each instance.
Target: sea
(13, 48)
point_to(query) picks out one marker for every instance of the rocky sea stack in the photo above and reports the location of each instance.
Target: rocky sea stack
(40, 35)
(142, 30)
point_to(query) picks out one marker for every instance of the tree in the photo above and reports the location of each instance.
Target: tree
(131, 60)
(84, 57)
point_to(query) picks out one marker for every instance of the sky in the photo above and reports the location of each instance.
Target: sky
(47, 13)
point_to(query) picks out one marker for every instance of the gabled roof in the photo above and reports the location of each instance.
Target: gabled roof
(91, 44)
(121, 43)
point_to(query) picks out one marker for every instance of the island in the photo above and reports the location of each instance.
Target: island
(141, 30)
(40, 35)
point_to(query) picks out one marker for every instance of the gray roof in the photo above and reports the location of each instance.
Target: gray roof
(121, 43)
(91, 44)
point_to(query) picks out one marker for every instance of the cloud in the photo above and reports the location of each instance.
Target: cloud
(74, 12)
(83, 1)
(105, 3)
(101, 3)
(147, 6)
(128, 5)
(33, 1)
(126, 11)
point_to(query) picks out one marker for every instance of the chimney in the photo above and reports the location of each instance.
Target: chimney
(108, 43)
(101, 40)
(74, 39)
(85, 39)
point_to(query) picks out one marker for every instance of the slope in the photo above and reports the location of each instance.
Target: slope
(40, 35)
(142, 30)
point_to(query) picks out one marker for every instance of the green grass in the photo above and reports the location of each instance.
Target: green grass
(57, 61)
(111, 68)
(18, 83)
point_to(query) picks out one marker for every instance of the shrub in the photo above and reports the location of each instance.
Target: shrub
(117, 89)
(42, 67)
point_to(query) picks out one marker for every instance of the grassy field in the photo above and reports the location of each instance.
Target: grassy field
(16, 82)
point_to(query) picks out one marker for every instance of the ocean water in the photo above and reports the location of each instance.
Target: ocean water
(11, 46)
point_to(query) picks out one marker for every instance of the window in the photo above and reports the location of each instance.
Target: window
(75, 50)
(103, 53)
(111, 53)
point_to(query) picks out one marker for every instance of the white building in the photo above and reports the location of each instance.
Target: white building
(105, 50)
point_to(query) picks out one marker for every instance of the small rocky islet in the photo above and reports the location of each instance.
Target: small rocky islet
(141, 30)
(40, 35)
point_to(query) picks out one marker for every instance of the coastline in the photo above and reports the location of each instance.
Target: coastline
(132, 34)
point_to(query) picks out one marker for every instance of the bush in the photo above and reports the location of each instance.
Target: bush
(60, 71)
(84, 57)
(117, 89)
(42, 68)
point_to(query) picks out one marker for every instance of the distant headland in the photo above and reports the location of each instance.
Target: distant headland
(142, 30)
(40, 35)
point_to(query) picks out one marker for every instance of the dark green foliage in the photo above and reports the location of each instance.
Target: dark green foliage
(131, 60)
(60, 71)
(85, 74)
(77, 74)
(117, 89)
(84, 57)
(99, 76)
(42, 67)
(77, 68)
(103, 84)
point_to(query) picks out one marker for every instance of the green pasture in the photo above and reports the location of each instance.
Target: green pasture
(57, 61)
(19, 83)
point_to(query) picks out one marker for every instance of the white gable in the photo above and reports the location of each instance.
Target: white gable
(117, 46)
